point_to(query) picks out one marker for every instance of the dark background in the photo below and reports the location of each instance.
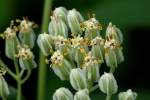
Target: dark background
(131, 16)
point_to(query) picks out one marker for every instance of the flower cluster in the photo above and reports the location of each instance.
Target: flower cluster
(19, 41)
(76, 49)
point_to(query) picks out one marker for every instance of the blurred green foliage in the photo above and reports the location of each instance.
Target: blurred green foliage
(126, 14)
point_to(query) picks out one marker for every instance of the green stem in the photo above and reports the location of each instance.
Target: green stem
(112, 70)
(19, 90)
(108, 97)
(42, 67)
(18, 80)
(93, 88)
(26, 77)
(22, 72)
(4, 98)
(8, 70)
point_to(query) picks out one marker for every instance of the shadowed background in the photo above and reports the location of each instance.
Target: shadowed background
(131, 16)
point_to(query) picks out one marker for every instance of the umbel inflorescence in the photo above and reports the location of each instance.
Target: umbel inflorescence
(75, 50)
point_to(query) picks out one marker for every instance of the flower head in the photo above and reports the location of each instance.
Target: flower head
(24, 52)
(89, 59)
(57, 58)
(111, 43)
(25, 24)
(91, 24)
(97, 41)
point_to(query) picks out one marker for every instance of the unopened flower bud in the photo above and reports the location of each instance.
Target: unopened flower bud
(74, 20)
(11, 42)
(4, 90)
(78, 79)
(62, 94)
(61, 12)
(82, 95)
(58, 27)
(114, 32)
(61, 66)
(108, 84)
(26, 58)
(26, 34)
(45, 42)
(128, 95)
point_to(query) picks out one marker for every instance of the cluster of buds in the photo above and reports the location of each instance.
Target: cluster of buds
(77, 51)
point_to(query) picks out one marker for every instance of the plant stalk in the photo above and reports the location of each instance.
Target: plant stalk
(42, 71)
(108, 97)
(19, 88)
(93, 88)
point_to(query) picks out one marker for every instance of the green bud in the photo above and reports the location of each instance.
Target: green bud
(78, 79)
(61, 66)
(91, 67)
(4, 90)
(108, 84)
(128, 95)
(61, 12)
(74, 20)
(26, 34)
(62, 94)
(26, 58)
(45, 42)
(114, 32)
(82, 95)
(58, 27)
(11, 42)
